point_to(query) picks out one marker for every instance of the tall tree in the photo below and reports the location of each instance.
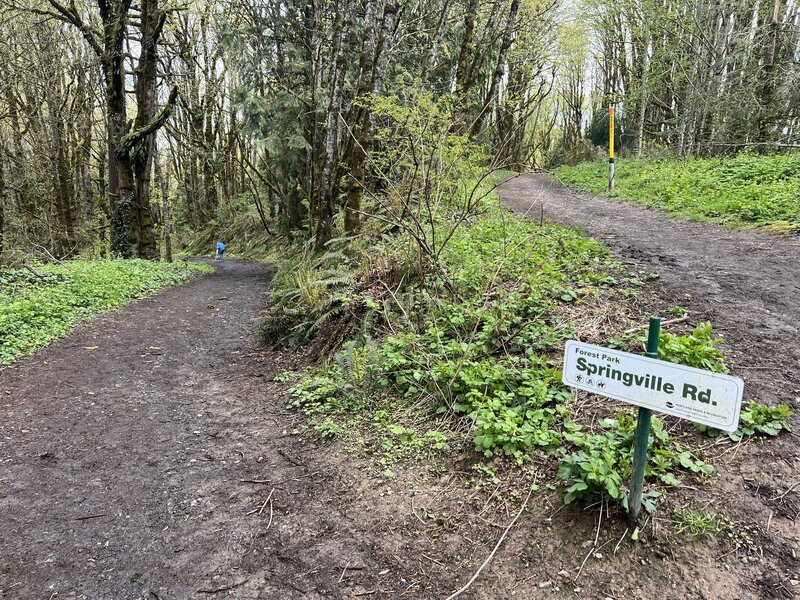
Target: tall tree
(129, 148)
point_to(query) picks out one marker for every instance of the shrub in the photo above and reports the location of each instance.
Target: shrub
(755, 419)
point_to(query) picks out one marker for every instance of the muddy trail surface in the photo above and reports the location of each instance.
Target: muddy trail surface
(146, 455)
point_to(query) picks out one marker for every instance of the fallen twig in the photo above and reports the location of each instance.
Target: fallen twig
(48, 255)
(670, 322)
(263, 506)
(269, 524)
(269, 497)
(11, 587)
(786, 493)
(599, 522)
(494, 550)
(223, 589)
(583, 564)
(619, 543)
(32, 270)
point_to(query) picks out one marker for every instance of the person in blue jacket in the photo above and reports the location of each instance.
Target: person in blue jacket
(221, 251)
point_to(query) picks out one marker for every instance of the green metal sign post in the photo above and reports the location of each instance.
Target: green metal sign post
(643, 432)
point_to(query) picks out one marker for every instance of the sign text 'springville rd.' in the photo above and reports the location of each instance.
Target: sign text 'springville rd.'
(701, 396)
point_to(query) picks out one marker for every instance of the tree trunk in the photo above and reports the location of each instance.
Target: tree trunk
(429, 62)
(3, 199)
(508, 38)
(328, 187)
(766, 120)
(121, 192)
(355, 148)
(483, 47)
(102, 189)
(163, 180)
(129, 154)
(141, 156)
(467, 42)
(461, 83)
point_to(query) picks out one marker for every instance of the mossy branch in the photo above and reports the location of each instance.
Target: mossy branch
(129, 140)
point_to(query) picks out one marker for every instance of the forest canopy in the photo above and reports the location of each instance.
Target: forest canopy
(124, 123)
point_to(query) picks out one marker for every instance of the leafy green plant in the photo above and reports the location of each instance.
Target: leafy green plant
(698, 349)
(755, 419)
(327, 429)
(742, 536)
(285, 376)
(308, 291)
(601, 465)
(327, 390)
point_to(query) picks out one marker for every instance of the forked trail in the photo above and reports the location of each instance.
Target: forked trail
(148, 454)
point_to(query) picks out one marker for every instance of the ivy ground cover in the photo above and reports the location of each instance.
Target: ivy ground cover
(742, 191)
(36, 308)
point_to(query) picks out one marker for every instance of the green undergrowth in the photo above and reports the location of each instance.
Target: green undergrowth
(743, 191)
(35, 309)
(755, 419)
(239, 226)
(426, 369)
(602, 465)
(440, 329)
(699, 349)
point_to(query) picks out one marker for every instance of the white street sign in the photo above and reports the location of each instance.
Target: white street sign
(700, 396)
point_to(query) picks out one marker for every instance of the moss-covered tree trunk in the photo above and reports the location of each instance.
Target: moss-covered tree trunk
(141, 155)
(328, 190)
(3, 198)
(129, 153)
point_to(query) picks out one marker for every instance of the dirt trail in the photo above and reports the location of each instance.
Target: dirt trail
(747, 283)
(136, 456)
(149, 455)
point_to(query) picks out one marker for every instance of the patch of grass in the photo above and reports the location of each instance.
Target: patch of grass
(743, 191)
(36, 310)
(698, 524)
